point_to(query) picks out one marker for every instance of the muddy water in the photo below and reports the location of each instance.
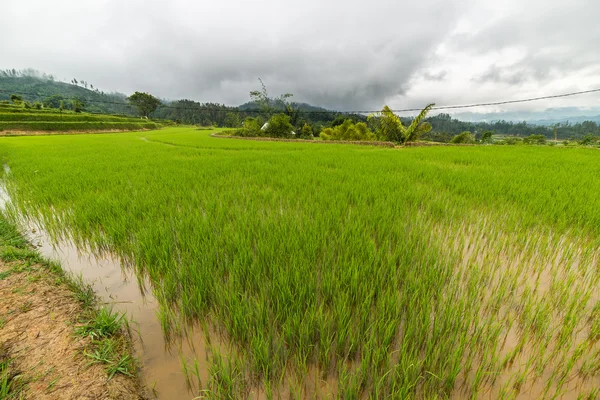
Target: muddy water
(116, 286)
(161, 370)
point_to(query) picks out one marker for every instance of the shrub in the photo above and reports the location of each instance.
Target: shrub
(306, 132)
(440, 137)
(16, 99)
(348, 131)
(250, 128)
(588, 140)
(465, 137)
(511, 140)
(77, 105)
(279, 126)
(535, 139)
(486, 137)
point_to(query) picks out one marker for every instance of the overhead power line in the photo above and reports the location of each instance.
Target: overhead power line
(234, 109)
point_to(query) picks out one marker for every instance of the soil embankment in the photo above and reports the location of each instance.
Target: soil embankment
(40, 311)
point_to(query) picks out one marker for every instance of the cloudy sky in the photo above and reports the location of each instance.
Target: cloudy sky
(341, 54)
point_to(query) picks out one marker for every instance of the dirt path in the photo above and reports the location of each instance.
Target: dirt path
(38, 314)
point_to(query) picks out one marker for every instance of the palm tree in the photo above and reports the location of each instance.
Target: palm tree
(388, 125)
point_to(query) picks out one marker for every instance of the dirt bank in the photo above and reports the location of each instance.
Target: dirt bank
(40, 312)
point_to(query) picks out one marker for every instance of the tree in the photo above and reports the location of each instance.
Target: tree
(16, 99)
(265, 103)
(535, 139)
(232, 120)
(250, 128)
(588, 140)
(144, 103)
(465, 137)
(77, 105)
(52, 101)
(388, 125)
(61, 106)
(306, 132)
(348, 131)
(279, 126)
(261, 98)
(486, 137)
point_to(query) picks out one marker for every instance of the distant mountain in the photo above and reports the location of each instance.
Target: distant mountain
(251, 106)
(550, 116)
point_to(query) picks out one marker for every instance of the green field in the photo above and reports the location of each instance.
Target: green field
(438, 272)
(16, 118)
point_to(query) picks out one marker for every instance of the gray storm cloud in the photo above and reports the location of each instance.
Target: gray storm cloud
(337, 54)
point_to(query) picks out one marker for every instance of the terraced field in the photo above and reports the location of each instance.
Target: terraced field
(342, 271)
(15, 118)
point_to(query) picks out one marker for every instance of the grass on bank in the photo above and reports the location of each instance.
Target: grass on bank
(11, 382)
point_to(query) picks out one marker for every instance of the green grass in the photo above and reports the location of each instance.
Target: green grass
(103, 324)
(105, 328)
(396, 273)
(11, 383)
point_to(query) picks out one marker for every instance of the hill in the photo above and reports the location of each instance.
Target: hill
(34, 86)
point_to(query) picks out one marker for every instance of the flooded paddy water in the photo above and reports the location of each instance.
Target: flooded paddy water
(360, 300)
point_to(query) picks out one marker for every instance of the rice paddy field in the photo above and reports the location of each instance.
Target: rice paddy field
(341, 271)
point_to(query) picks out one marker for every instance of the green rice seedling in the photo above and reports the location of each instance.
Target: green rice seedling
(413, 273)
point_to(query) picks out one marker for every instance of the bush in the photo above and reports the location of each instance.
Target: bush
(486, 137)
(348, 131)
(465, 137)
(250, 128)
(588, 140)
(439, 137)
(511, 140)
(535, 139)
(279, 126)
(306, 132)
(16, 99)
